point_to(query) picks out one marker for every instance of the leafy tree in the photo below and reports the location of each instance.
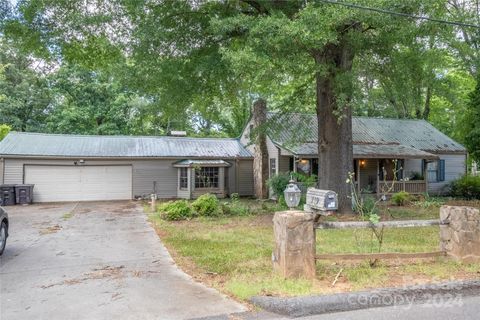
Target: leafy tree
(24, 92)
(471, 123)
(202, 59)
(4, 130)
(88, 102)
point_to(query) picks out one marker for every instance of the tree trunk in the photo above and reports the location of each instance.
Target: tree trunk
(335, 153)
(260, 160)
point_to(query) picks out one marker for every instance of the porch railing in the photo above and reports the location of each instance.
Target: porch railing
(412, 186)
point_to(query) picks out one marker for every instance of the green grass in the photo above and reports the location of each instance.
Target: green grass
(67, 215)
(363, 240)
(233, 254)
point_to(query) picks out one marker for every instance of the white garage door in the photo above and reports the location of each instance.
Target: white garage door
(82, 183)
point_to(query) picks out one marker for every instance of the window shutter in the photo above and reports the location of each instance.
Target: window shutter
(423, 170)
(441, 170)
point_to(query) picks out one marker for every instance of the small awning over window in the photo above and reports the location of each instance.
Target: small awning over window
(200, 163)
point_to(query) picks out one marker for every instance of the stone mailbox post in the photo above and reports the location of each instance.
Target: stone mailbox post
(294, 252)
(460, 233)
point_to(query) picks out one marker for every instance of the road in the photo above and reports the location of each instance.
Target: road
(467, 308)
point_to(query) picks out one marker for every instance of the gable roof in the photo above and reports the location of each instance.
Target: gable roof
(60, 145)
(292, 128)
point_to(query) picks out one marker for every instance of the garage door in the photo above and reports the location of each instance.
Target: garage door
(79, 183)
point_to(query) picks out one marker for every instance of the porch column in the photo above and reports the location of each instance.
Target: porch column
(378, 178)
(358, 178)
(425, 175)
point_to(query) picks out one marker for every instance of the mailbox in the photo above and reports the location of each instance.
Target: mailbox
(321, 201)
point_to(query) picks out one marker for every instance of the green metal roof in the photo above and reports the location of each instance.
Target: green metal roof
(57, 145)
(298, 133)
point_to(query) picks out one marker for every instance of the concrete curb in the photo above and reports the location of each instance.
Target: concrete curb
(436, 294)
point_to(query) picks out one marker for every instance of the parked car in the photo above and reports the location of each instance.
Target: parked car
(3, 229)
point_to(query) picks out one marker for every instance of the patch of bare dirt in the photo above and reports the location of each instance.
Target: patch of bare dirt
(51, 229)
(97, 273)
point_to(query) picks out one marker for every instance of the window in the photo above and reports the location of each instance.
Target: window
(183, 178)
(206, 177)
(273, 167)
(436, 171)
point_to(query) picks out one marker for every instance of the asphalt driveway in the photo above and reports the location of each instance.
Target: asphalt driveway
(99, 260)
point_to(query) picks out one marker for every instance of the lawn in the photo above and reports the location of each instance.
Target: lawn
(233, 254)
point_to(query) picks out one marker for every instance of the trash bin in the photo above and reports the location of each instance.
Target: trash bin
(7, 194)
(24, 193)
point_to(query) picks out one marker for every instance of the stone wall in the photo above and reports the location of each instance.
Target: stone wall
(294, 252)
(460, 235)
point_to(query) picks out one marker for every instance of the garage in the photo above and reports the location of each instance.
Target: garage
(79, 183)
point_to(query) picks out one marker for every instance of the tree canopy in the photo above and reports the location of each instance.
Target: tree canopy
(146, 67)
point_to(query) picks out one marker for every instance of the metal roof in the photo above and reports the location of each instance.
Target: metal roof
(203, 163)
(56, 145)
(295, 131)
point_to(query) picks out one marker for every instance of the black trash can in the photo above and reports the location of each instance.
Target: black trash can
(7, 194)
(24, 193)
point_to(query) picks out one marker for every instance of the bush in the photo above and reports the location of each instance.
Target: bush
(176, 210)
(367, 206)
(400, 198)
(278, 183)
(207, 205)
(467, 187)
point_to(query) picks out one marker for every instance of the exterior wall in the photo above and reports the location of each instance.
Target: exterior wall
(284, 164)
(369, 175)
(245, 178)
(455, 167)
(145, 173)
(273, 150)
(1, 170)
(245, 137)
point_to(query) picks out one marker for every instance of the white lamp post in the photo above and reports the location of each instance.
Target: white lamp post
(292, 195)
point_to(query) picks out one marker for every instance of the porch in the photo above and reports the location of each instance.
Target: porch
(381, 169)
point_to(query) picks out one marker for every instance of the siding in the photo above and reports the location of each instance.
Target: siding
(245, 137)
(145, 173)
(273, 153)
(1, 170)
(368, 175)
(284, 164)
(245, 177)
(455, 167)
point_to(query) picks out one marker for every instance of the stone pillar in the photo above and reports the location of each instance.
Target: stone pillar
(294, 252)
(460, 238)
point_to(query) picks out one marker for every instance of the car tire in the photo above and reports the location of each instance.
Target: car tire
(3, 237)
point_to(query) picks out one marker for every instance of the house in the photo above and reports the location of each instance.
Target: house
(426, 159)
(76, 168)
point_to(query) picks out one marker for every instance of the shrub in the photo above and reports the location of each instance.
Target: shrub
(207, 205)
(176, 210)
(367, 206)
(467, 187)
(416, 176)
(278, 183)
(400, 198)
